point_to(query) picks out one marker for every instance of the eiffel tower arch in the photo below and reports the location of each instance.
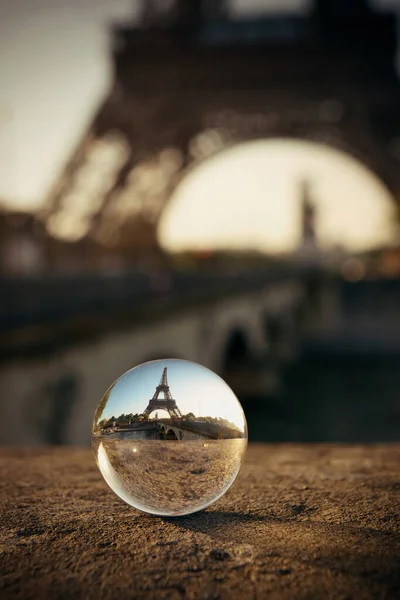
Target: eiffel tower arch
(166, 403)
(188, 89)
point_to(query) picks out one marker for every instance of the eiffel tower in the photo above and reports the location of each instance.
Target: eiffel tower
(191, 81)
(167, 403)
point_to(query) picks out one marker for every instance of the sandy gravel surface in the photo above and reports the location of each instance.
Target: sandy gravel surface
(300, 522)
(169, 477)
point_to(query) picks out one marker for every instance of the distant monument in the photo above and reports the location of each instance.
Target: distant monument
(308, 249)
(308, 213)
(167, 403)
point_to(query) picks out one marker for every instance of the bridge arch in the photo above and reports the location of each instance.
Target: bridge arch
(167, 433)
(233, 323)
(237, 351)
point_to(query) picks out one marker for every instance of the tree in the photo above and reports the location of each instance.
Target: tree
(102, 404)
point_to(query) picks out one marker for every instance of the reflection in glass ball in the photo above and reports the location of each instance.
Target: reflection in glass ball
(169, 437)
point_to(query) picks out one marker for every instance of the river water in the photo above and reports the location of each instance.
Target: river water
(331, 398)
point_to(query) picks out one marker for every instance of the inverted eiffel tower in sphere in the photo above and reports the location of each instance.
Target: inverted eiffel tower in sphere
(167, 403)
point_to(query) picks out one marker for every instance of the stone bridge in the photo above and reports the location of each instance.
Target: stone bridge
(56, 367)
(175, 432)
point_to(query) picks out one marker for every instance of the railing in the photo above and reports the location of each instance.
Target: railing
(39, 301)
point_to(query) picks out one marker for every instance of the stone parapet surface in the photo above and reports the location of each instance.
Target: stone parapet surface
(300, 522)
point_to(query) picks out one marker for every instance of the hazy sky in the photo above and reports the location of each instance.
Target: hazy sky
(195, 389)
(248, 197)
(54, 70)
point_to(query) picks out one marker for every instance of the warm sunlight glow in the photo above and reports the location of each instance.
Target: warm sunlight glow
(248, 197)
(103, 160)
(159, 414)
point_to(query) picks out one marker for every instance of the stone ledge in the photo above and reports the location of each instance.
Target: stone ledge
(301, 521)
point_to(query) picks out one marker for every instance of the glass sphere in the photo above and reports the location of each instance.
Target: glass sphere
(169, 437)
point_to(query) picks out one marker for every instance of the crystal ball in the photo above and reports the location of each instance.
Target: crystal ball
(169, 437)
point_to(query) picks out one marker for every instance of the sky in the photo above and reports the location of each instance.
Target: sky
(195, 389)
(248, 197)
(55, 70)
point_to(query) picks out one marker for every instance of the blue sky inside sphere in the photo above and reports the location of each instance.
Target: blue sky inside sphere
(194, 388)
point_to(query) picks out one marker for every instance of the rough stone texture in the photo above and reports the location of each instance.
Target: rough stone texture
(300, 522)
